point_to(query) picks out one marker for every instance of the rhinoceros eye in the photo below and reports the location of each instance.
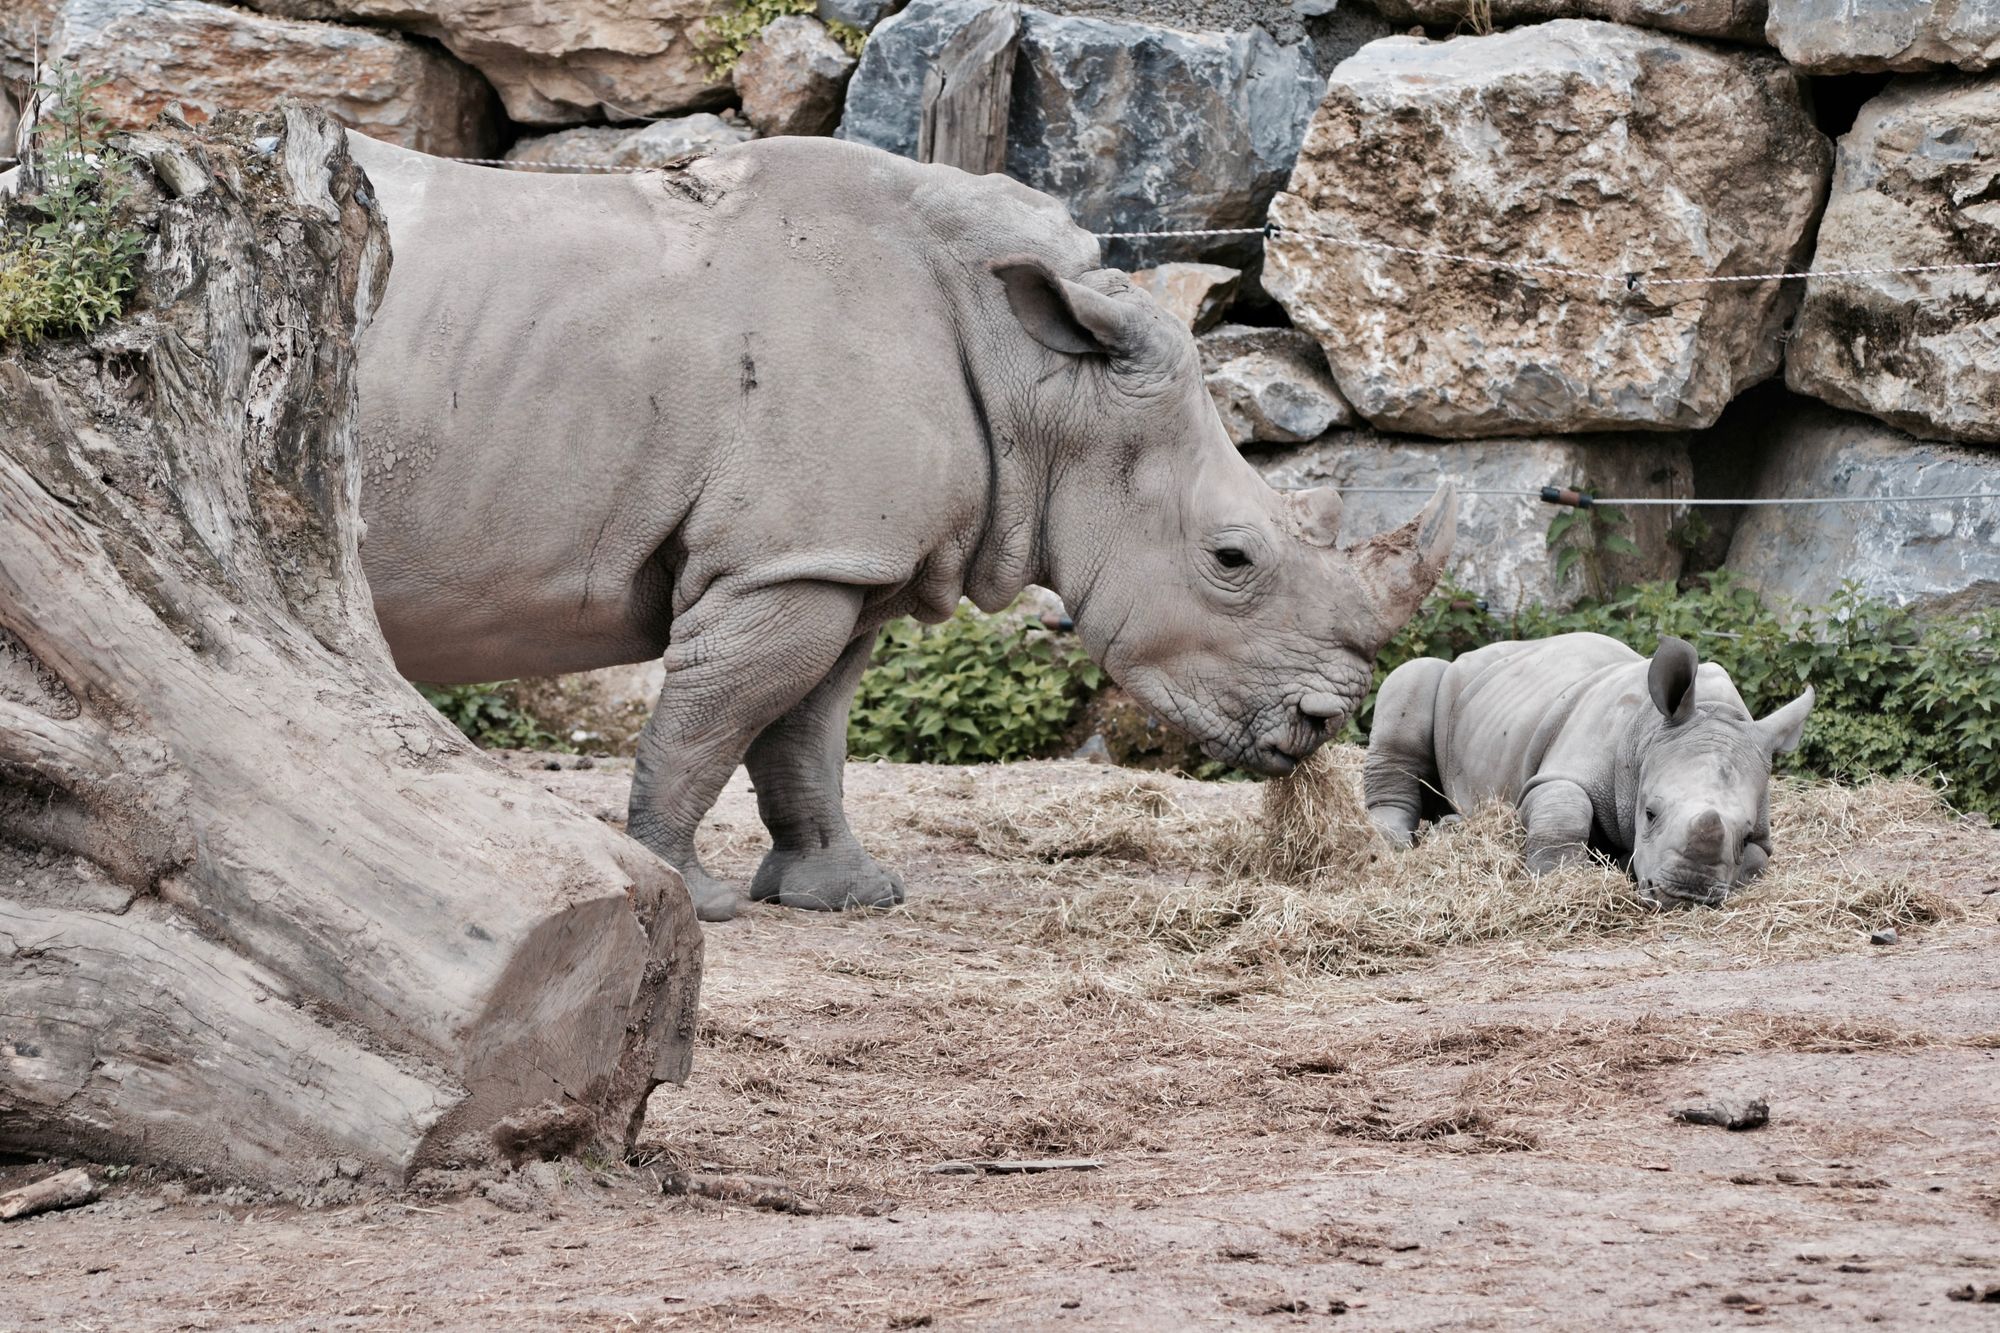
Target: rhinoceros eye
(1231, 557)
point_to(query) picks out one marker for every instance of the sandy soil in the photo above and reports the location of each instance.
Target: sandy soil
(1478, 1138)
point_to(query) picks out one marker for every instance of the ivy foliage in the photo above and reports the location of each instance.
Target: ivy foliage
(727, 36)
(1898, 694)
(974, 689)
(69, 253)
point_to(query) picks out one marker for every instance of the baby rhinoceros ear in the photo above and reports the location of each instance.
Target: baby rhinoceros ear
(1670, 680)
(1783, 729)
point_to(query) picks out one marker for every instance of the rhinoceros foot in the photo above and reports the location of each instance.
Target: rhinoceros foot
(829, 880)
(713, 900)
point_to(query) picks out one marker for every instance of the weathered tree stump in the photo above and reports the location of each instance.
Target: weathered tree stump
(262, 911)
(967, 92)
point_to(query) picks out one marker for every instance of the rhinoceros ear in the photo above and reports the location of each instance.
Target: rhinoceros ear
(1061, 315)
(1783, 729)
(1671, 679)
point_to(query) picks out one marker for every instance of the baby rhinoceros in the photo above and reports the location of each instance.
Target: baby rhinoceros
(1657, 763)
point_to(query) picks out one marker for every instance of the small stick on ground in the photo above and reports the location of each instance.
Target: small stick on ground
(1016, 1166)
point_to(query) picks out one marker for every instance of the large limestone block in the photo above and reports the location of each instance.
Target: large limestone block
(1840, 36)
(656, 145)
(1135, 127)
(1502, 553)
(1944, 554)
(1918, 183)
(1587, 145)
(209, 57)
(791, 78)
(559, 63)
(1739, 20)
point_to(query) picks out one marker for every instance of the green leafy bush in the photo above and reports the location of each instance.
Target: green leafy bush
(725, 37)
(490, 717)
(69, 254)
(1898, 694)
(974, 689)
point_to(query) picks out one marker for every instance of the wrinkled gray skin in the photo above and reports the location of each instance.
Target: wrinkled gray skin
(743, 413)
(1656, 763)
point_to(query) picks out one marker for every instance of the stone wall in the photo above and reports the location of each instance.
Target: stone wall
(1643, 141)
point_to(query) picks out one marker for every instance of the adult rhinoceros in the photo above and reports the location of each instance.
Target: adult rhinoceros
(743, 413)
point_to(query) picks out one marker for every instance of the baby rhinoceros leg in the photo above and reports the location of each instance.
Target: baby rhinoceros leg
(1401, 771)
(797, 764)
(1557, 815)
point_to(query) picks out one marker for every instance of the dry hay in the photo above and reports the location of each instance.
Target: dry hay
(1302, 885)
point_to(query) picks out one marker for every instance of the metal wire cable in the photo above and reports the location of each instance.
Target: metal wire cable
(1586, 500)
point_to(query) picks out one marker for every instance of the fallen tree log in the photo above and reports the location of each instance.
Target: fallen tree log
(262, 911)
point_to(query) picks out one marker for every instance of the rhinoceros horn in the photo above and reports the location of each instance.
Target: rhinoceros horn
(1398, 569)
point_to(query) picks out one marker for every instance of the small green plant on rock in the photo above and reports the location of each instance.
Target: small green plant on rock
(974, 689)
(725, 37)
(69, 253)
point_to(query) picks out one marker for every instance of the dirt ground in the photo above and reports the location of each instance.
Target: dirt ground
(1475, 1135)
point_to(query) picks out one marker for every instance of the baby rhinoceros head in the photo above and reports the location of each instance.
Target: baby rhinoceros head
(1701, 809)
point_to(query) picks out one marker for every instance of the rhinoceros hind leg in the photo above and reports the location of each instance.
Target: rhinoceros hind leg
(738, 661)
(1400, 780)
(1558, 816)
(798, 765)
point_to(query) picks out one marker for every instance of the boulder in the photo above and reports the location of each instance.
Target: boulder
(862, 14)
(1738, 20)
(559, 64)
(1944, 555)
(791, 76)
(656, 145)
(1271, 386)
(1844, 36)
(1195, 294)
(1135, 127)
(1502, 554)
(1918, 183)
(24, 25)
(209, 57)
(1587, 145)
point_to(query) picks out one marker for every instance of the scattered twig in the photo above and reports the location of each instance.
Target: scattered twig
(1016, 1166)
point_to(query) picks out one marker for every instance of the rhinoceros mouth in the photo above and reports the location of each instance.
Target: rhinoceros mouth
(1664, 893)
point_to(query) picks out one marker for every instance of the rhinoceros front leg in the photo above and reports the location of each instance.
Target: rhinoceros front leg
(737, 661)
(1558, 816)
(798, 764)
(1401, 769)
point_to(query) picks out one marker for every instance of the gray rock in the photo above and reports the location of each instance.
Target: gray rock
(1887, 935)
(1271, 386)
(1739, 20)
(791, 77)
(654, 146)
(1502, 553)
(1918, 183)
(1588, 145)
(862, 14)
(1737, 1113)
(1135, 127)
(1841, 36)
(1195, 294)
(1944, 555)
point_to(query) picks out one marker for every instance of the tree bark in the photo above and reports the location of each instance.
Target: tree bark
(263, 911)
(967, 93)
